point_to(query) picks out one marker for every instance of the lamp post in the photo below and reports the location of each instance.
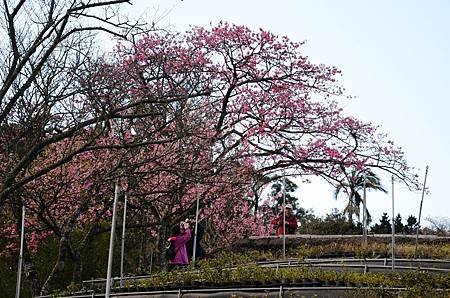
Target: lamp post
(195, 231)
(122, 251)
(19, 267)
(364, 213)
(284, 216)
(420, 212)
(111, 241)
(393, 226)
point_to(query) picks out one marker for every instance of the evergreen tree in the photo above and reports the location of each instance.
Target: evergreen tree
(334, 223)
(411, 224)
(398, 224)
(384, 227)
(277, 192)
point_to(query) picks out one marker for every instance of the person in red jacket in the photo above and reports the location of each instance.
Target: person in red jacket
(290, 220)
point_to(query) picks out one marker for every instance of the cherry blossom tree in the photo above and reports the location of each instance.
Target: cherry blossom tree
(46, 45)
(74, 196)
(228, 96)
(213, 114)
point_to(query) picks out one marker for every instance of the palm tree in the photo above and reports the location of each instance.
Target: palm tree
(352, 184)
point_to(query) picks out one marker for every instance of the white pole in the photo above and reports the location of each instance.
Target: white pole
(122, 251)
(420, 212)
(284, 216)
(151, 261)
(19, 270)
(364, 213)
(393, 226)
(195, 232)
(111, 241)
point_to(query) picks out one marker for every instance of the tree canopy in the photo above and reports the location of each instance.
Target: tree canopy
(207, 114)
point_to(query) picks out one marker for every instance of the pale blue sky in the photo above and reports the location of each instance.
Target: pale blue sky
(395, 58)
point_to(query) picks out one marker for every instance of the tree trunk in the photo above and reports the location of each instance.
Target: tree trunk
(77, 256)
(256, 204)
(77, 273)
(349, 212)
(59, 266)
(28, 266)
(142, 261)
(162, 239)
(30, 270)
(64, 250)
(351, 206)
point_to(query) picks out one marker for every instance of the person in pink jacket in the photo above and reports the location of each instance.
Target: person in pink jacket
(178, 241)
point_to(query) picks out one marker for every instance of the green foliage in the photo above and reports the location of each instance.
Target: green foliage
(411, 225)
(277, 191)
(43, 261)
(353, 184)
(95, 261)
(213, 270)
(230, 268)
(415, 282)
(334, 223)
(8, 276)
(384, 227)
(224, 258)
(398, 224)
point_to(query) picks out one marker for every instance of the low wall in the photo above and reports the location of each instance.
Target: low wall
(269, 242)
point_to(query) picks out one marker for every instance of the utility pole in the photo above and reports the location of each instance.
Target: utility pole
(111, 241)
(284, 216)
(364, 214)
(19, 267)
(420, 211)
(122, 251)
(393, 226)
(195, 231)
